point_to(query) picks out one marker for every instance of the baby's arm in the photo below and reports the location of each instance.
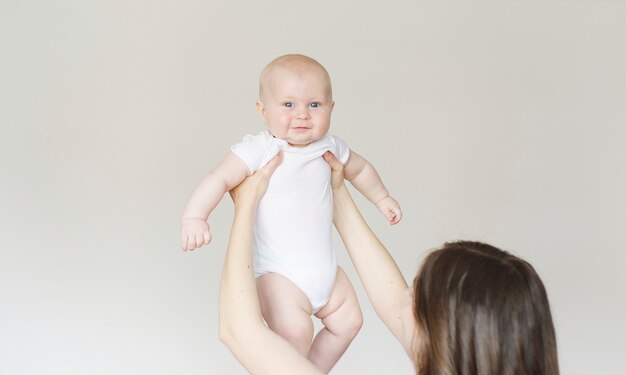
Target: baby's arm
(225, 176)
(366, 180)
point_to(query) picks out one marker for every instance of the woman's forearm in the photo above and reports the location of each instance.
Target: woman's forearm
(379, 273)
(238, 295)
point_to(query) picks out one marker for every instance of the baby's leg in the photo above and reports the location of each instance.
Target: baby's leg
(342, 319)
(287, 310)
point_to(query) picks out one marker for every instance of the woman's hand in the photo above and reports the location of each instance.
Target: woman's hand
(251, 189)
(336, 179)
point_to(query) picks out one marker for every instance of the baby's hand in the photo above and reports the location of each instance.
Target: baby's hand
(391, 209)
(195, 233)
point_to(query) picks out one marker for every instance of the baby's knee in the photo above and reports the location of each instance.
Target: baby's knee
(349, 323)
(297, 330)
(354, 322)
(355, 315)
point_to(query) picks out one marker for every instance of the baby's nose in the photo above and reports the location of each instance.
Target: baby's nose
(303, 114)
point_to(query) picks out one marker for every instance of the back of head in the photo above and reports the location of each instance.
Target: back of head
(481, 310)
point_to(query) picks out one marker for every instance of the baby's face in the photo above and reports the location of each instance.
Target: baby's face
(297, 106)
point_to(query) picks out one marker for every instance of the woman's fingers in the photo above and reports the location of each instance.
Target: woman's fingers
(336, 169)
(332, 160)
(266, 172)
(254, 186)
(273, 164)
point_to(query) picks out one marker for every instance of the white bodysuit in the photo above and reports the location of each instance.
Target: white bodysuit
(293, 225)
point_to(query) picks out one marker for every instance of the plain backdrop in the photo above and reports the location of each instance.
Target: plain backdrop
(499, 121)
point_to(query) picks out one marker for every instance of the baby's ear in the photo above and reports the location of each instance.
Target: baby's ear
(260, 108)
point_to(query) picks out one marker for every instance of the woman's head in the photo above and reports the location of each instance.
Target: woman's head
(481, 310)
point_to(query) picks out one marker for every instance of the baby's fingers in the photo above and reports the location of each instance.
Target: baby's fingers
(199, 240)
(396, 215)
(189, 242)
(207, 237)
(183, 243)
(389, 215)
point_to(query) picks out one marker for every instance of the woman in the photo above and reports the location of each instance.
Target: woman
(473, 309)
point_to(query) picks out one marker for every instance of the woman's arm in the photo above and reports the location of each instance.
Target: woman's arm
(242, 329)
(381, 277)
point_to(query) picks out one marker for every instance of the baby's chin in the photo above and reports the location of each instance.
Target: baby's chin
(302, 144)
(299, 145)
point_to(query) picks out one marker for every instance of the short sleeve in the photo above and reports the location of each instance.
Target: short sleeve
(341, 151)
(251, 150)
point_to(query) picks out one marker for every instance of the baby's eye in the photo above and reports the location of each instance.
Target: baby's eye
(288, 104)
(315, 104)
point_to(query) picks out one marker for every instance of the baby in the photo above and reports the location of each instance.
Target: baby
(294, 262)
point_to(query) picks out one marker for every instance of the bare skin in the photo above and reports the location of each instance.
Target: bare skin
(306, 120)
(242, 328)
(257, 347)
(296, 105)
(287, 312)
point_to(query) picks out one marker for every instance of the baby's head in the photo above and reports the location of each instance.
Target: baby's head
(295, 99)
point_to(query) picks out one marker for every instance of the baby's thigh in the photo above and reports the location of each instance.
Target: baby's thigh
(343, 302)
(280, 299)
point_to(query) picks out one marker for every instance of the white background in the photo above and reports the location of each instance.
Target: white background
(499, 121)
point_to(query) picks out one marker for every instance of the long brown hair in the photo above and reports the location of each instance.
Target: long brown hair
(481, 310)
